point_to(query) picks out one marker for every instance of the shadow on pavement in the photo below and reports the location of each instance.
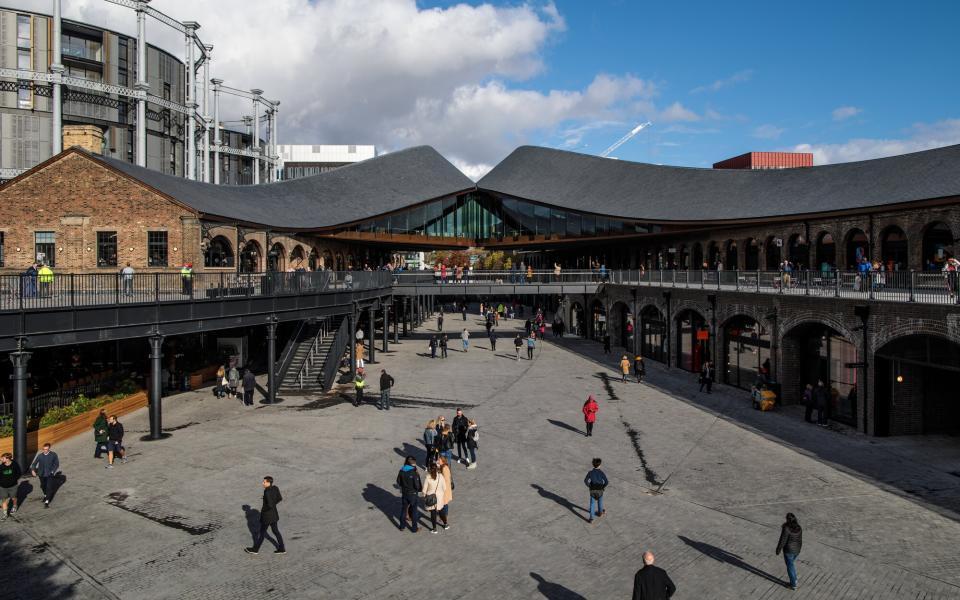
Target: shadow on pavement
(554, 591)
(561, 501)
(23, 490)
(563, 425)
(728, 558)
(383, 499)
(409, 449)
(253, 521)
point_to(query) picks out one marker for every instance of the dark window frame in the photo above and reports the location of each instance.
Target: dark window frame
(48, 246)
(157, 254)
(107, 240)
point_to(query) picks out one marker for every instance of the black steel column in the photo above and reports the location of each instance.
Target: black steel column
(405, 311)
(353, 341)
(371, 317)
(20, 358)
(271, 359)
(386, 326)
(156, 386)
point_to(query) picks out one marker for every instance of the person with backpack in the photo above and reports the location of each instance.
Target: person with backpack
(100, 434)
(434, 492)
(269, 517)
(115, 441)
(790, 543)
(386, 383)
(473, 436)
(639, 369)
(596, 482)
(408, 480)
(590, 409)
(517, 344)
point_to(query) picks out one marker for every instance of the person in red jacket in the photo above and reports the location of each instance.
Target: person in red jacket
(590, 409)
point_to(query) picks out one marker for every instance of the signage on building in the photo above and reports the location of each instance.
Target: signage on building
(703, 334)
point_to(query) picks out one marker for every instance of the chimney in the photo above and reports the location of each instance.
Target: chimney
(88, 137)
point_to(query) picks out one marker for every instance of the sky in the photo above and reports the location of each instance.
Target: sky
(846, 80)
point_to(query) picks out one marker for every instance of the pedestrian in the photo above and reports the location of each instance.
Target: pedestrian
(434, 491)
(269, 517)
(249, 384)
(115, 441)
(443, 466)
(408, 480)
(624, 368)
(9, 482)
(432, 345)
(45, 277)
(446, 442)
(639, 369)
(358, 384)
(430, 435)
(126, 276)
(220, 389)
(443, 345)
(790, 543)
(527, 326)
(460, 426)
(531, 344)
(186, 279)
(46, 465)
(706, 376)
(517, 344)
(821, 398)
(606, 343)
(233, 380)
(386, 383)
(100, 434)
(493, 340)
(473, 437)
(359, 350)
(465, 338)
(543, 329)
(652, 582)
(596, 482)
(808, 403)
(440, 322)
(29, 282)
(463, 311)
(590, 409)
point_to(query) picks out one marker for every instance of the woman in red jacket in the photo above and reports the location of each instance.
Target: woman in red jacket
(590, 409)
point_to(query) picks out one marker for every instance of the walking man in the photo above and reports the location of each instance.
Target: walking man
(821, 398)
(493, 340)
(358, 384)
(114, 441)
(269, 517)
(639, 369)
(531, 344)
(706, 376)
(9, 480)
(460, 426)
(465, 338)
(440, 322)
(408, 480)
(596, 482)
(651, 582)
(517, 344)
(386, 382)
(443, 345)
(45, 465)
(249, 384)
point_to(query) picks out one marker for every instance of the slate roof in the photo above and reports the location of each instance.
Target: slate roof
(661, 193)
(354, 192)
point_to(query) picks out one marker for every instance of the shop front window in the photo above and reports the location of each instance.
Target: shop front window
(747, 350)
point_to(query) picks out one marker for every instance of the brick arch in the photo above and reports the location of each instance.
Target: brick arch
(697, 307)
(615, 324)
(793, 321)
(744, 311)
(934, 327)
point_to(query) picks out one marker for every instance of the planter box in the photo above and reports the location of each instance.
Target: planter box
(76, 425)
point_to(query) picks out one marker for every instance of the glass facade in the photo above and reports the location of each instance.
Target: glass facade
(748, 348)
(653, 334)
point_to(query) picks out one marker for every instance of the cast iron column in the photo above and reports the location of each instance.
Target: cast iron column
(156, 386)
(371, 318)
(271, 359)
(20, 358)
(386, 326)
(353, 341)
(405, 311)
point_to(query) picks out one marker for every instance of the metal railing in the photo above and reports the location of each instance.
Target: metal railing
(39, 404)
(31, 292)
(332, 364)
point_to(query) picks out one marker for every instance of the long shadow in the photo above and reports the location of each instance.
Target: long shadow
(410, 450)
(23, 490)
(729, 558)
(605, 377)
(554, 591)
(56, 482)
(386, 501)
(563, 425)
(253, 522)
(561, 501)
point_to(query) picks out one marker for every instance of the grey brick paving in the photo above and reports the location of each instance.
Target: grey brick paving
(879, 515)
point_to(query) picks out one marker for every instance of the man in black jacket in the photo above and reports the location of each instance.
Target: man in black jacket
(386, 382)
(114, 441)
(460, 426)
(652, 583)
(9, 480)
(821, 398)
(408, 480)
(249, 384)
(269, 517)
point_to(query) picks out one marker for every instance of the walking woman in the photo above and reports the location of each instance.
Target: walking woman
(430, 435)
(443, 345)
(590, 409)
(434, 491)
(472, 438)
(624, 368)
(791, 540)
(444, 512)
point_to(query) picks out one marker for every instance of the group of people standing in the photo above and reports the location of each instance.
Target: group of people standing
(229, 382)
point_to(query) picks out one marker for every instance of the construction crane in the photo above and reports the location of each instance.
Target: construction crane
(625, 138)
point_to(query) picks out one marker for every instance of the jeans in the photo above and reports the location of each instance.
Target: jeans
(127, 287)
(599, 503)
(466, 344)
(408, 507)
(385, 399)
(821, 416)
(461, 448)
(97, 452)
(46, 485)
(473, 454)
(791, 568)
(529, 352)
(359, 399)
(263, 532)
(447, 454)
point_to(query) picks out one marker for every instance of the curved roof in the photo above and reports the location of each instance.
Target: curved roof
(351, 193)
(661, 193)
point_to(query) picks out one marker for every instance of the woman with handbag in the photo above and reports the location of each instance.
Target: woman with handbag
(434, 492)
(444, 467)
(221, 388)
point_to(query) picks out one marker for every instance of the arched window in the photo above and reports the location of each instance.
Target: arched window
(937, 245)
(893, 248)
(250, 257)
(713, 255)
(731, 263)
(746, 352)
(653, 334)
(696, 256)
(277, 258)
(297, 257)
(773, 247)
(684, 258)
(799, 251)
(826, 251)
(693, 341)
(751, 256)
(857, 247)
(219, 253)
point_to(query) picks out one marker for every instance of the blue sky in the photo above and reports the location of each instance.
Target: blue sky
(764, 75)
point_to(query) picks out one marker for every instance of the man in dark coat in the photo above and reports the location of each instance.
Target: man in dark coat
(821, 397)
(460, 426)
(652, 583)
(410, 484)
(249, 384)
(269, 517)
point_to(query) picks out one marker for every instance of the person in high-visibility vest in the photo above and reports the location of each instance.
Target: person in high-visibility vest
(186, 278)
(359, 383)
(45, 278)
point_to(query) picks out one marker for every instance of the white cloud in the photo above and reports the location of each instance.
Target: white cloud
(921, 136)
(738, 77)
(845, 112)
(767, 132)
(677, 112)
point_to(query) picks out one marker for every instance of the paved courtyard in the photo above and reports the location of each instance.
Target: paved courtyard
(702, 481)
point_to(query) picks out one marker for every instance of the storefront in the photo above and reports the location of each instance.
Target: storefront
(693, 341)
(598, 315)
(653, 334)
(747, 351)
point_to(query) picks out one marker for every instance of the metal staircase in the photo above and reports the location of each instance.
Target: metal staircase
(302, 371)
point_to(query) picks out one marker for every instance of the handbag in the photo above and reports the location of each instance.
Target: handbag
(430, 500)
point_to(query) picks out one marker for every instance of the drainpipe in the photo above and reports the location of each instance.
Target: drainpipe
(863, 311)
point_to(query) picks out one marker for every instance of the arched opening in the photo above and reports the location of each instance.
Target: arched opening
(857, 248)
(915, 386)
(598, 320)
(684, 261)
(774, 256)
(577, 320)
(799, 251)
(937, 245)
(826, 252)
(693, 341)
(820, 353)
(713, 255)
(277, 258)
(696, 257)
(893, 248)
(250, 257)
(621, 324)
(339, 262)
(751, 256)
(297, 258)
(732, 262)
(219, 253)
(746, 350)
(328, 261)
(313, 261)
(653, 334)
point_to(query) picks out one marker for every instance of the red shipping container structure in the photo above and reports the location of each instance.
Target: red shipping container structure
(767, 160)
